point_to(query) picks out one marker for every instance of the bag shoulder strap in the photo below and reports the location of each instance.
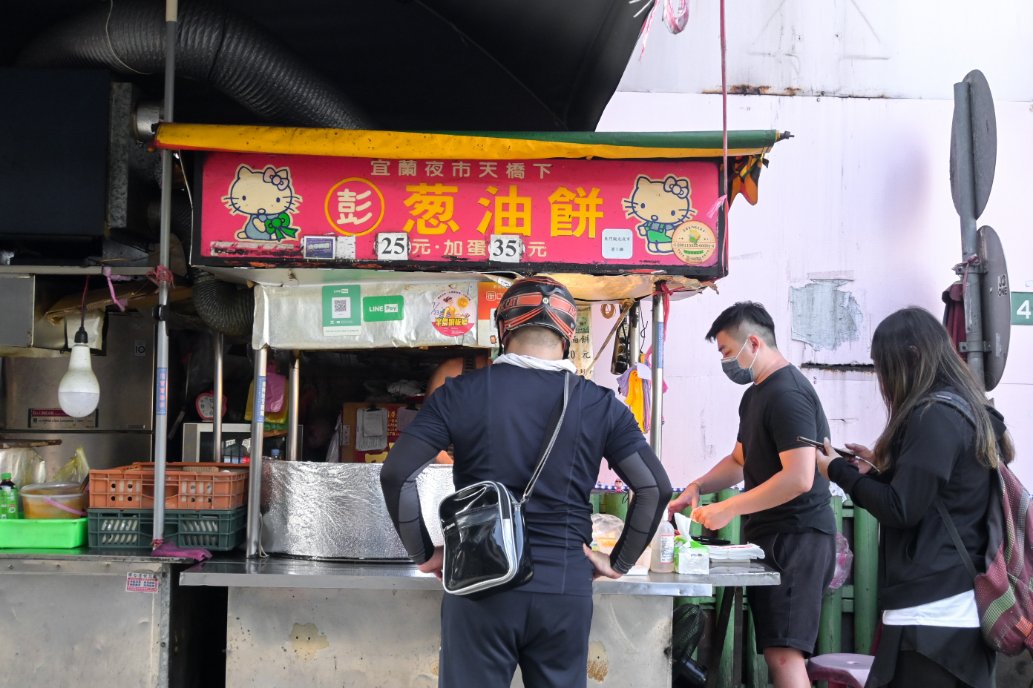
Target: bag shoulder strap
(569, 382)
(956, 538)
(956, 402)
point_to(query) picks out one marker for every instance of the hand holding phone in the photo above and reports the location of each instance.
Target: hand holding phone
(848, 455)
(821, 446)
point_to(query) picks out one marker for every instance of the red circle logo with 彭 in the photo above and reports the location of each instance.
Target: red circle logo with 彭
(354, 206)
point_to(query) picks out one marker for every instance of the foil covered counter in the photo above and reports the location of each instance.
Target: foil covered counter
(337, 510)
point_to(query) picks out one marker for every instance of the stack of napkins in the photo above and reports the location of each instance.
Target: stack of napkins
(732, 553)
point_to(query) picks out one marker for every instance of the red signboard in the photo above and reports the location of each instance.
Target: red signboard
(604, 216)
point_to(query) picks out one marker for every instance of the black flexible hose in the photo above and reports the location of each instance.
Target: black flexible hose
(231, 53)
(224, 307)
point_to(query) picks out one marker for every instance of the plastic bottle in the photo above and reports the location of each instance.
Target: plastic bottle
(274, 454)
(8, 497)
(662, 556)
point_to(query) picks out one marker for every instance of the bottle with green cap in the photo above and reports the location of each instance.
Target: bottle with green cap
(8, 497)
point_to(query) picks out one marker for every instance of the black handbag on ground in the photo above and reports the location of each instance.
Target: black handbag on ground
(486, 547)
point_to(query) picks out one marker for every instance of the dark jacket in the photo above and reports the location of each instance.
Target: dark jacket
(935, 459)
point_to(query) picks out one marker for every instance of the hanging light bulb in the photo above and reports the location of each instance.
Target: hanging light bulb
(79, 392)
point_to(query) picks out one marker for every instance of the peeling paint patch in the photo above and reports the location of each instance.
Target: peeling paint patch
(598, 662)
(306, 640)
(824, 316)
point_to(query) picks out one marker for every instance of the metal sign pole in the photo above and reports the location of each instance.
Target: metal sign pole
(657, 372)
(217, 392)
(254, 493)
(161, 398)
(294, 382)
(965, 181)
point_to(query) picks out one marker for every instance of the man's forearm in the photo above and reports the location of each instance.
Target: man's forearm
(725, 473)
(776, 490)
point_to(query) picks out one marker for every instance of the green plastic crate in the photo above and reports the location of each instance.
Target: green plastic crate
(121, 528)
(216, 530)
(42, 533)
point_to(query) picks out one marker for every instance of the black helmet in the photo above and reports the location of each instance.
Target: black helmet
(538, 302)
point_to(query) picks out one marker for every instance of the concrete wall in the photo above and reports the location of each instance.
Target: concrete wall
(855, 218)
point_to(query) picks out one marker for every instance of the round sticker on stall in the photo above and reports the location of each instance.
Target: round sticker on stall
(694, 243)
(452, 313)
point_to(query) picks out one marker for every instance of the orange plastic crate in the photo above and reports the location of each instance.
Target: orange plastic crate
(205, 488)
(187, 486)
(125, 487)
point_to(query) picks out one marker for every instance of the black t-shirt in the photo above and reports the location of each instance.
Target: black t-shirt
(772, 415)
(496, 419)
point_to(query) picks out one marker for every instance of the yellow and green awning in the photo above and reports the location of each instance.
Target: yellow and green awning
(466, 145)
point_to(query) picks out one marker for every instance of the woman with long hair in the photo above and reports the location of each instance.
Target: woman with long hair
(929, 452)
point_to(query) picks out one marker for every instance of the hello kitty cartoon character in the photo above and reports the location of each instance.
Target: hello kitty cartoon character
(662, 206)
(268, 200)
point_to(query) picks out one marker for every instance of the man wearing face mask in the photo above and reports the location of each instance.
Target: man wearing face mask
(785, 501)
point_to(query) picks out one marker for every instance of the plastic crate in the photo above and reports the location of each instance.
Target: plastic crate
(42, 533)
(218, 531)
(125, 487)
(187, 486)
(120, 528)
(205, 488)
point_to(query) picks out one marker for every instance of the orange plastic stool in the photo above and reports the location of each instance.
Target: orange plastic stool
(840, 669)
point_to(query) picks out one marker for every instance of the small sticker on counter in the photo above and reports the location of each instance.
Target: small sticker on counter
(138, 581)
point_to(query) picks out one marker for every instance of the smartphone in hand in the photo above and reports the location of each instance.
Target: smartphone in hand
(821, 445)
(848, 455)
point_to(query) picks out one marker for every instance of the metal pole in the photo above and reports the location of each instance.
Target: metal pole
(633, 343)
(969, 238)
(657, 372)
(161, 401)
(292, 408)
(217, 392)
(254, 495)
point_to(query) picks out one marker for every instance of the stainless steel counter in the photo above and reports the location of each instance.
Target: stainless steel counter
(87, 618)
(305, 622)
(276, 572)
(87, 554)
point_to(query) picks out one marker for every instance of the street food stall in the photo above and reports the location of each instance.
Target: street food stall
(360, 241)
(323, 241)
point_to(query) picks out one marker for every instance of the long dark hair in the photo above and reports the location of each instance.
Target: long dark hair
(914, 356)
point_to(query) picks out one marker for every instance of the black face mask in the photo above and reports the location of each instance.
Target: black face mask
(735, 372)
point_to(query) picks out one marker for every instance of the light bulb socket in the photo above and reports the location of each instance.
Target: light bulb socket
(80, 336)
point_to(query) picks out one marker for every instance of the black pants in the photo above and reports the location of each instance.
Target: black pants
(483, 641)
